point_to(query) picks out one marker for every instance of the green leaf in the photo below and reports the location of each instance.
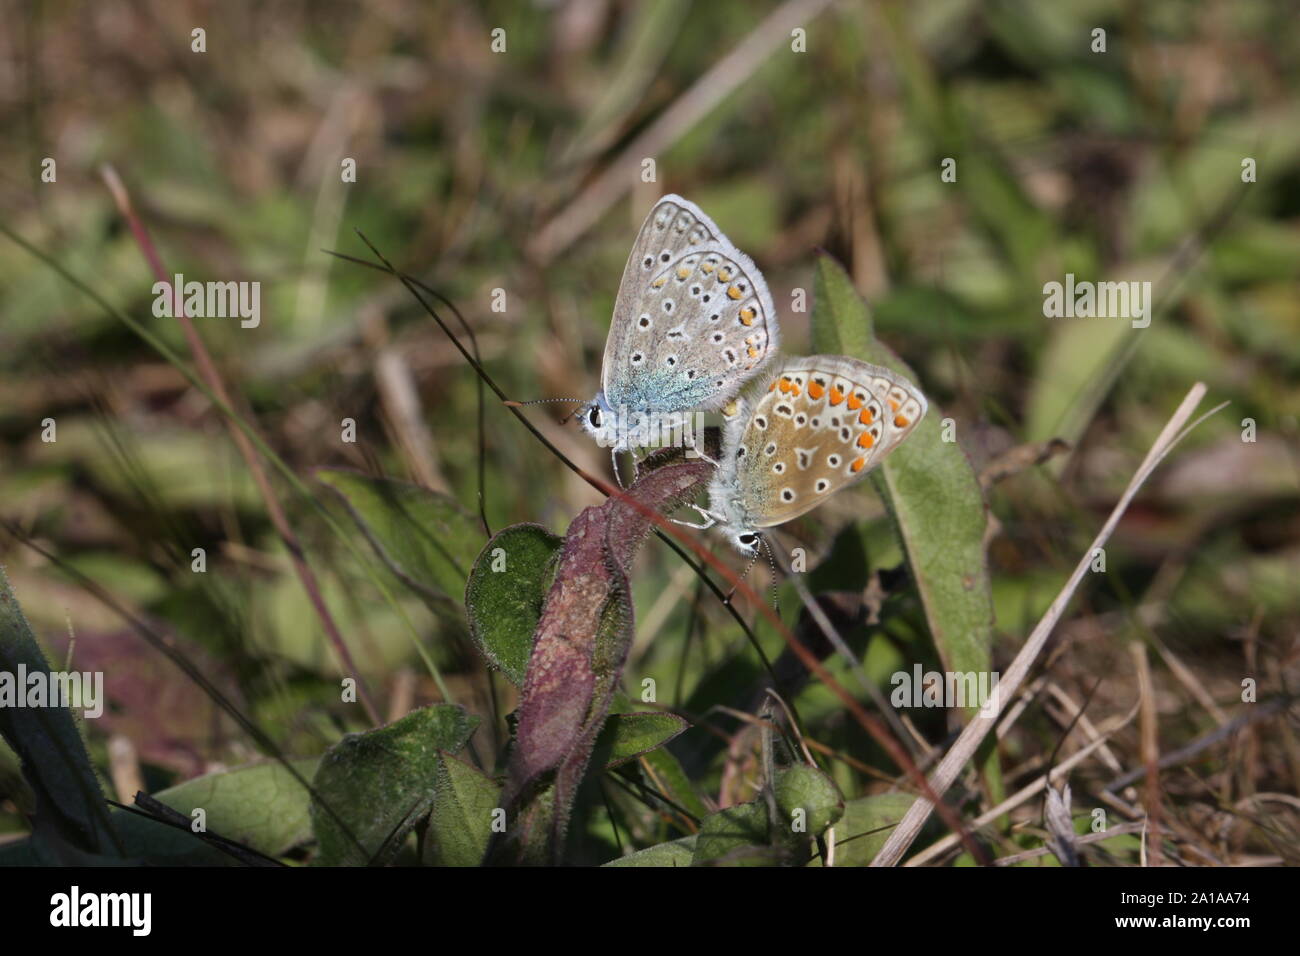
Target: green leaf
(809, 790)
(261, 806)
(736, 836)
(1080, 364)
(841, 324)
(865, 826)
(381, 783)
(626, 736)
(461, 823)
(70, 811)
(673, 853)
(427, 539)
(666, 774)
(928, 486)
(504, 597)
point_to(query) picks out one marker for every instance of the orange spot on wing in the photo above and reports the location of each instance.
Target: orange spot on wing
(901, 421)
(753, 352)
(795, 390)
(859, 464)
(867, 417)
(815, 390)
(785, 385)
(733, 292)
(836, 395)
(854, 403)
(865, 440)
(746, 315)
(893, 404)
(683, 272)
(772, 387)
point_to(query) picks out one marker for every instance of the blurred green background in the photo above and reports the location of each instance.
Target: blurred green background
(521, 171)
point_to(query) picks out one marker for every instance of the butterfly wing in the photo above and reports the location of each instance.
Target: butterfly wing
(821, 424)
(693, 319)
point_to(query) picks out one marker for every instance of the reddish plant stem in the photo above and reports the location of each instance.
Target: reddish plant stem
(207, 369)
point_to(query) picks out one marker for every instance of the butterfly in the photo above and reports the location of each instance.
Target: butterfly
(692, 323)
(821, 424)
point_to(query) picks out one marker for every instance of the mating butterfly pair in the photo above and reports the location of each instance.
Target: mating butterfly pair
(693, 323)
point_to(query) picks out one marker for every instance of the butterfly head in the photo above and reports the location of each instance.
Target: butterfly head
(600, 421)
(743, 540)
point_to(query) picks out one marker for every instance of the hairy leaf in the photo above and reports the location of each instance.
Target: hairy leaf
(673, 853)
(380, 784)
(463, 806)
(807, 794)
(505, 593)
(736, 836)
(261, 806)
(627, 736)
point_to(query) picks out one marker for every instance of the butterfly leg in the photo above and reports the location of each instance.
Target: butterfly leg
(710, 516)
(709, 520)
(613, 463)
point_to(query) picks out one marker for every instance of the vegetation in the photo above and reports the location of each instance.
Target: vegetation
(356, 609)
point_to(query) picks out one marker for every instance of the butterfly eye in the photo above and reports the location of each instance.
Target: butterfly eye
(594, 417)
(747, 539)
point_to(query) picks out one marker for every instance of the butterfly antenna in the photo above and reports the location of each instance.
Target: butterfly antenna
(771, 561)
(577, 402)
(542, 401)
(743, 574)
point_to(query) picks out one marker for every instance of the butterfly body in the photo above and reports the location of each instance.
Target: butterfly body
(692, 322)
(820, 424)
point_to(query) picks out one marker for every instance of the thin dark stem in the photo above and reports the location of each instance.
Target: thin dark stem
(160, 813)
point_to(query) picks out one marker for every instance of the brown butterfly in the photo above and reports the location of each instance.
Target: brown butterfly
(820, 424)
